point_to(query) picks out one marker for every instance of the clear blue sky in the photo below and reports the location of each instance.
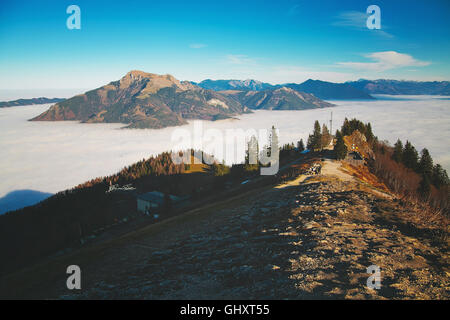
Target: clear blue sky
(276, 42)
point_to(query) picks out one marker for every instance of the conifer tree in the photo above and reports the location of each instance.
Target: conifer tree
(326, 137)
(426, 164)
(346, 128)
(440, 176)
(398, 151)
(369, 133)
(316, 140)
(309, 143)
(340, 148)
(301, 145)
(410, 156)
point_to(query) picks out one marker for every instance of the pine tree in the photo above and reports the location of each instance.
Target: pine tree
(310, 141)
(398, 151)
(301, 145)
(340, 148)
(316, 142)
(369, 133)
(376, 145)
(350, 126)
(346, 128)
(426, 164)
(326, 137)
(410, 156)
(440, 176)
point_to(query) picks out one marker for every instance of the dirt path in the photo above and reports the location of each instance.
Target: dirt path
(296, 182)
(332, 168)
(329, 168)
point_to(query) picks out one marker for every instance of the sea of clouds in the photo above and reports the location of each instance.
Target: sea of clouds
(38, 159)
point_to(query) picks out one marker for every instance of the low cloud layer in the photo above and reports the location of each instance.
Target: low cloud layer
(48, 157)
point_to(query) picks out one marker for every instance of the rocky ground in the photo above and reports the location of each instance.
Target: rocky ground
(311, 238)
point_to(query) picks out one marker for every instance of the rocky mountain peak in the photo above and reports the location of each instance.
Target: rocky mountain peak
(154, 82)
(145, 100)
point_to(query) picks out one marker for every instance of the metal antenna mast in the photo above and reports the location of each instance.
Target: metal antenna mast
(331, 123)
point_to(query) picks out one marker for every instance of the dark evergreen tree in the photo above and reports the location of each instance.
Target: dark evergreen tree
(350, 126)
(410, 156)
(300, 145)
(326, 136)
(439, 177)
(310, 141)
(369, 133)
(340, 148)
(398, 151)
(426, 164)
(346, 128)
(316, 143)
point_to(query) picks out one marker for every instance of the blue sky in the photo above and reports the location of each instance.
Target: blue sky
(276, 41)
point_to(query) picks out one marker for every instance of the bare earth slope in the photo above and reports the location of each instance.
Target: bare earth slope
(310, 238)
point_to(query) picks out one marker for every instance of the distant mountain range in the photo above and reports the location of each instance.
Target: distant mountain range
(395, 87)
(26, 102)
(277, 99)
(320, 89)
(329, 90)
(244, 85)
(146, 100)
(361, 89)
